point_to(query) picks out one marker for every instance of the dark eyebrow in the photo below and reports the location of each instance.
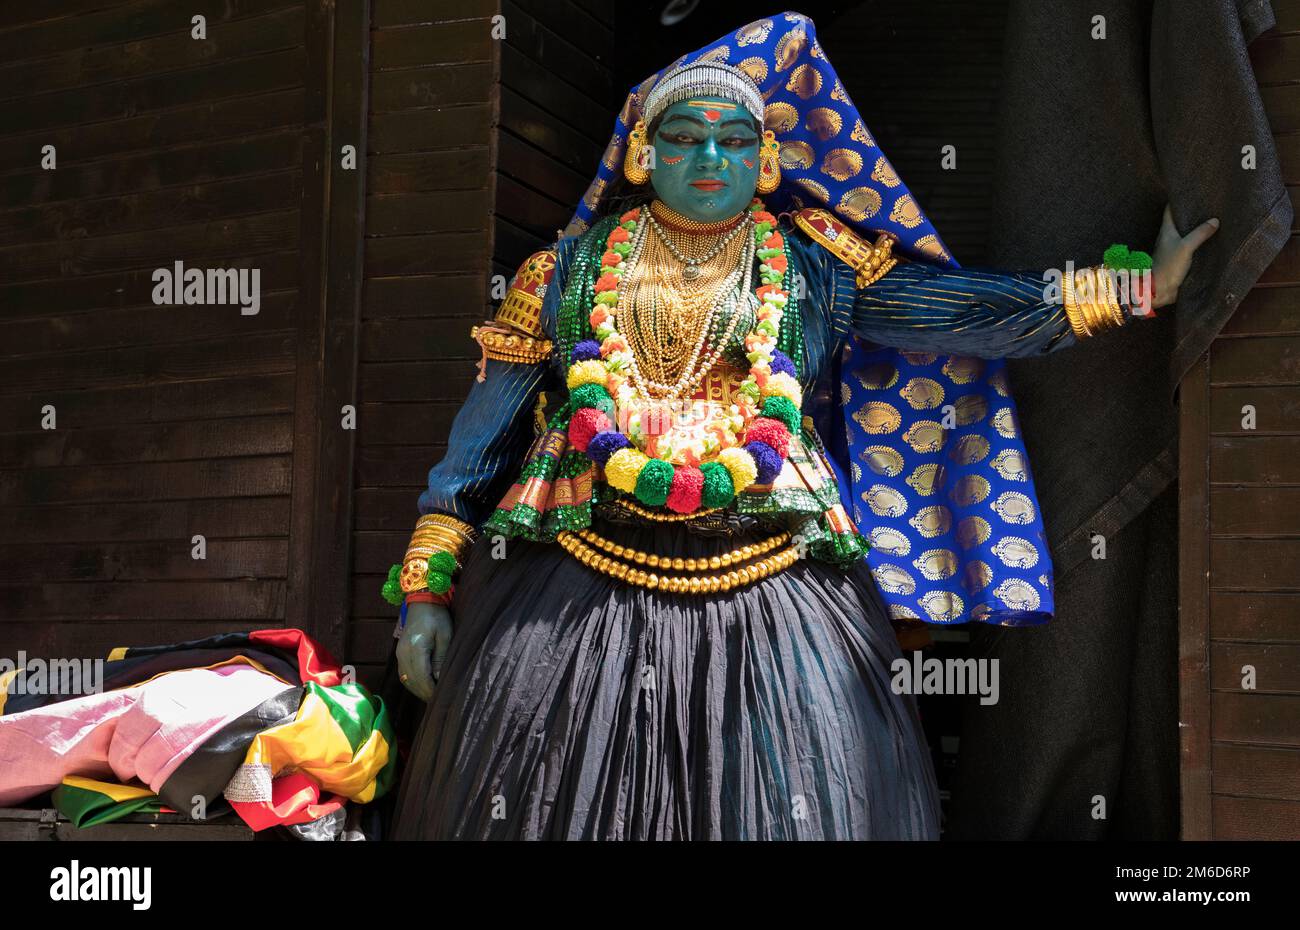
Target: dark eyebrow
(686, 116)
(748, 124)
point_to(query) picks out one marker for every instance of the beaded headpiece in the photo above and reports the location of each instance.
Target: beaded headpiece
(704, 79)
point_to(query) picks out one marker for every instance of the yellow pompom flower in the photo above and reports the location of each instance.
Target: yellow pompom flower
(740, 464)
(783, 385)
(623, 467)
(592, 371)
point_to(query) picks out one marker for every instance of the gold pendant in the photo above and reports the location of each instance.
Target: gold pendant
(690, 272)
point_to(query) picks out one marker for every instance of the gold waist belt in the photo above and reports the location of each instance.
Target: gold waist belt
(734, 569)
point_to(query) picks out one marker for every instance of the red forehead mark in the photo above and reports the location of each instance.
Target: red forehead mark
(712, 109)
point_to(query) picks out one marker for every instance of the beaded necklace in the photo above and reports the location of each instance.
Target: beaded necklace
(601, 370)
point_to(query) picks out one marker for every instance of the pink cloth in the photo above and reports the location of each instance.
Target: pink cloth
(140, 733)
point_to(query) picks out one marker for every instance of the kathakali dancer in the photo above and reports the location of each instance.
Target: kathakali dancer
(720, 439)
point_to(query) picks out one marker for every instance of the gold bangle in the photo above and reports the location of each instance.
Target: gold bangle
(1111, 313)
(444, 519)
(440, 531)
(1073, 312)
(438, 537)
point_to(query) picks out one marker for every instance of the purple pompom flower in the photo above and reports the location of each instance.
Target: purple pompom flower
(605, 444)
(585, 351)
(781, 364)
(766, 459)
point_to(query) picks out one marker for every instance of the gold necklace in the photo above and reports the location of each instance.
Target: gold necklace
(670, 318)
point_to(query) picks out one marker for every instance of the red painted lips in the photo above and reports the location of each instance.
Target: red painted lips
(708, 185)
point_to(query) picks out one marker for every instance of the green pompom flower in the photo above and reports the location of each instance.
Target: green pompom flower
(1119, 257)
(439, 582)
(443, 562)
(783, 409)
(592, 395)
(718, 487)
(653, 482)
(392, 590)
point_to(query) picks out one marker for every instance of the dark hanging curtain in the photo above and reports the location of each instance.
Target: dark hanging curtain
(1095, 136)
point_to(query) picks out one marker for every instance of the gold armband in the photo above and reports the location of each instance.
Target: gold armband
(1091, 299)
(522, 307)
(434, 533)
(508, 346)
(869, 262)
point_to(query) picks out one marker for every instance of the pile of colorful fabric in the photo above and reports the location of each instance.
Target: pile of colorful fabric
(264, 721)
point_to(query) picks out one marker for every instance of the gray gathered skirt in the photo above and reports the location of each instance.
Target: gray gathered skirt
(575, 706)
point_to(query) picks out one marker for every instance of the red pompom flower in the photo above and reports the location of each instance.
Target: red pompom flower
(684, 493)
(770, 432)
(584, 424)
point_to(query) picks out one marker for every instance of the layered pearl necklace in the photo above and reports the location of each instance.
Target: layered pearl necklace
(735, 290)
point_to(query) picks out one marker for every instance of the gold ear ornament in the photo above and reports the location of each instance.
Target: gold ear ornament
(769, 164)
(633, 169)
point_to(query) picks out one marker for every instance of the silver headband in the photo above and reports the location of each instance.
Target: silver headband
(704, 79)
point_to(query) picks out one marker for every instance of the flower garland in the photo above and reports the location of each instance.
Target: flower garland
(770, 396)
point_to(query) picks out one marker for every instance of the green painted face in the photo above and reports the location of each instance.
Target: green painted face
(706, 158)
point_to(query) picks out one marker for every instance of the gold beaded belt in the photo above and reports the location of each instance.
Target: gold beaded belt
(728, 570)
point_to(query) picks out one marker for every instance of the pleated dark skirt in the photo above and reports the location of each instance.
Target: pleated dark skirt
(575, 706)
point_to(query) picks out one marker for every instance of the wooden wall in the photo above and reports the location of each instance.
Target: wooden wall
(428, 244)
(170, 421)
(478, 150)
(1240, 529)
(558, 104)
(225, 152)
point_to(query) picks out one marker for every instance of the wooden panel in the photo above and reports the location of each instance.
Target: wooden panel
(1193, 600)
(1263, 360)
(1256, 617)
(333, 223)
(255, 35)
(1255, 564)
(428, 231)
(66, 609)
(1257, 771)
(84, 144)
(1255, 819)
(1255, 460)
(1255, 511)
(1266, 310)
(1276, 667)
(1255, 718)
(1277, 410)
(35, 36)
(1287, 15)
